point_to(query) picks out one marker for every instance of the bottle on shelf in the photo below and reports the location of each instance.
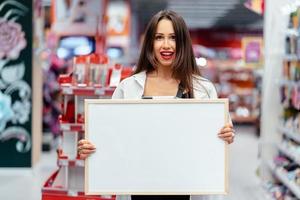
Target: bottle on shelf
(98, 70)
(80, 70)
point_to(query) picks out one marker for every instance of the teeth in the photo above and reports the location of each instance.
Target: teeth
(166, 54)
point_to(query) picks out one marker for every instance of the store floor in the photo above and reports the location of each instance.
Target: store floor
(243, 182)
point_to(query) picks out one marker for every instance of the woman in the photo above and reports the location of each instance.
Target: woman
(166, 67)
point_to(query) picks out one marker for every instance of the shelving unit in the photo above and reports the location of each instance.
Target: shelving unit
(68, 181)
(71, 127)
(281, 103)
(289, 83)
(68, 89)
(281, 174)
(289, 133)
(249, 119)
(292, 155)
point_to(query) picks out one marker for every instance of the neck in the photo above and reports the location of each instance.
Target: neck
(164, 72)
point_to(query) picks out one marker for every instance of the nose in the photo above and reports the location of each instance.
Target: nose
(166, 43)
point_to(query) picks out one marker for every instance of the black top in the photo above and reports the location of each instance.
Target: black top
(181, 94)
(160, 197)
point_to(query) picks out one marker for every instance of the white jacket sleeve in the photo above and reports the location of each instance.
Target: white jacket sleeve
(119, 92)
(212, 91)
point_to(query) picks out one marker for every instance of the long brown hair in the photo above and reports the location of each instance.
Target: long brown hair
(184, 65)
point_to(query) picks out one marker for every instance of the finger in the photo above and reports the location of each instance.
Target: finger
(86, 151)
(83, 141)
(88, 146)
(226, 134)
(223, 130)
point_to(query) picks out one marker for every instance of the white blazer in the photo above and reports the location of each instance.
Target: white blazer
(133, 88)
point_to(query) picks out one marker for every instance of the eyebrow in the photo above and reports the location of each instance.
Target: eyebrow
(163, 34)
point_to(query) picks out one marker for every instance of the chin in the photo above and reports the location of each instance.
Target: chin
(166, 64)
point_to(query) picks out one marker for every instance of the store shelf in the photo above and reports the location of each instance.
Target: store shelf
(71, 163)
(240, 119)
(50, 192)
(291, 57)
(68, 89)
(290, 154)
(244, 91)
(282, 177)
(290, 133)
(292, 32)
(289, 83)
(72, 127)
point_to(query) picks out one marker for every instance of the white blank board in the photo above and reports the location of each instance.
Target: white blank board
(156, 147)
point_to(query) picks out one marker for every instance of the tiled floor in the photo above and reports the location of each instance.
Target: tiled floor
(243, 183)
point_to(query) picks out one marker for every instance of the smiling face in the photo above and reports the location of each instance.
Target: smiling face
(164, 43)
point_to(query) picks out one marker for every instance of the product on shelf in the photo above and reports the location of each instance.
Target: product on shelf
(98, 70)
(278, 191)
(80, 70)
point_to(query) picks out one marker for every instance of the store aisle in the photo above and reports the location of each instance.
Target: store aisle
(244, 185)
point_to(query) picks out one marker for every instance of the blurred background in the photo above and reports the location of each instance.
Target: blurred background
(56, 53)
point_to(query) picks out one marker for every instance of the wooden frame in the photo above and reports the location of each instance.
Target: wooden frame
(136, 143)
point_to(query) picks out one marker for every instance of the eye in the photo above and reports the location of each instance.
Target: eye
(173, 37)
(159, 37)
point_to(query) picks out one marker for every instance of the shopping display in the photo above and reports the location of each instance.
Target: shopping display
(286, 165)
(91, 78)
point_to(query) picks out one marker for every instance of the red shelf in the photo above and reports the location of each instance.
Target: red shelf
(54, 193)
(71, 127)
(65, 196)
(69, 89)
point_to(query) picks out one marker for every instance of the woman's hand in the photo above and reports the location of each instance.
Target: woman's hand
(227, 133)
(85, 148)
